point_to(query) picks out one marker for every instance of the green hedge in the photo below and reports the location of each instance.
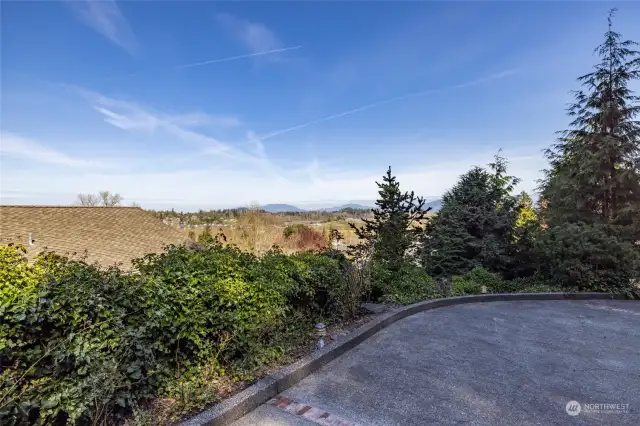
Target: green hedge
(473, 281)
(81, 344)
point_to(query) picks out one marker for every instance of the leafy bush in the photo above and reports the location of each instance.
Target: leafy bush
(461, 286)
(82, 344)
(69, 343)
(473, 281)
(329, 284)
(409, 284)
(316, 274)
(537, 284)
(215, 300)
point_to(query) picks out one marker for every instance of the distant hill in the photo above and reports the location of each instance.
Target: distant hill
(280, 208)
(284, 208)
(435, 205)
(345, 206)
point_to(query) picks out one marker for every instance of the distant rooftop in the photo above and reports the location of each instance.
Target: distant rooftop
(109, 235)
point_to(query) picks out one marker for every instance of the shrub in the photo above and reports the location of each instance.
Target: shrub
(473, 281)
(84, 344)
(461, 286)
(353, 289)
(538, 284)
(333, 287)
(316, 274)
(409, 284)
(589, 257)
(293, 229)
(303, 237)
(88, 343)
(214, 300)
(71, 353)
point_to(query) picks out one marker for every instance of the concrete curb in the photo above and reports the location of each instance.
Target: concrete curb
(231, 409)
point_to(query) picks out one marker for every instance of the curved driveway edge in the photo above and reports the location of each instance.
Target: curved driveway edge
(263, 390)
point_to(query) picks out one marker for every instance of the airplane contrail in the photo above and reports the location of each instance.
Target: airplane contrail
(213, 61)
(233, 58)
(391, 100)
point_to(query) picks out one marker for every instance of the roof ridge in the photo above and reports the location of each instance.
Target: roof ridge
(108, 234)
(68, 207)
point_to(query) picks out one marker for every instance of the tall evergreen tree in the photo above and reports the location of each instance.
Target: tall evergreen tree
(396, 223)
(594, 176)
(591, 193)
(474, 227)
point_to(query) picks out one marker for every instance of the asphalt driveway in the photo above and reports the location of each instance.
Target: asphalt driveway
(499, 363)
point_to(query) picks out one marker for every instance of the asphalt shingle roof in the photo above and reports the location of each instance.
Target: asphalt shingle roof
(109, 235)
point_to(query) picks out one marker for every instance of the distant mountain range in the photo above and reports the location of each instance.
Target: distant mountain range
(346, 206)
(284, 208)
(281, 208)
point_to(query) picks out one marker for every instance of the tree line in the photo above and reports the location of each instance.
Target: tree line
(217, 216)
(584, 230)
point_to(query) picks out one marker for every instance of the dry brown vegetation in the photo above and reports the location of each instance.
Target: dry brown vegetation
(258, 231)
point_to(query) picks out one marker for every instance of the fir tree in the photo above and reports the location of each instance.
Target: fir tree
(594, 176)
(396, 222)
(591, 193)
(474, 227)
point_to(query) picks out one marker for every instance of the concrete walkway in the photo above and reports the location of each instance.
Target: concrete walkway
(500, 363)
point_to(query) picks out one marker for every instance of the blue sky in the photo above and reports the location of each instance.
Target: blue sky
(202, 104)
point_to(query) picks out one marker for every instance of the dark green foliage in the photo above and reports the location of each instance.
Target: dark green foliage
(407, 285)
(387, 240)
(316, 276)
(537, 284)
(72, 344)
(473, 281)
(395, 224)
(591, 193)
(594, 175)
(80, 344)
(589, 257)
(475, 226)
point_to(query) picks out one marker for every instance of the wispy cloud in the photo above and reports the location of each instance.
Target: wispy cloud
(130, 116)
(199, 119)
(391, 100)
(105, 17)
(18, 147)
(255, 36)
(192, 188)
